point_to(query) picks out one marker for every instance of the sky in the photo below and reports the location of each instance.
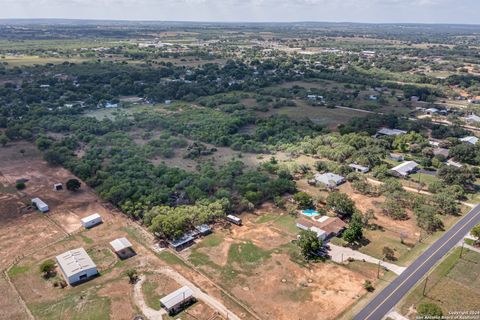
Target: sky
(373, 11)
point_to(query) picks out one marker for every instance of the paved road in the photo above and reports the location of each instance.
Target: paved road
(395, 291)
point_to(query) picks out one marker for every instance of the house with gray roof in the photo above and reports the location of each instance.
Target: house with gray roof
(404, 169)
(329, 179)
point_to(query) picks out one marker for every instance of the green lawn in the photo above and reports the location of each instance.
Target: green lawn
(152, 299)
(17, 270)
(87, 306)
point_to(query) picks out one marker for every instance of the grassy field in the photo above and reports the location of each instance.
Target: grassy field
(454, 285)
(76, 307)
(151, 297)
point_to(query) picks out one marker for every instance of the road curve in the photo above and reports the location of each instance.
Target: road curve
(394, 292)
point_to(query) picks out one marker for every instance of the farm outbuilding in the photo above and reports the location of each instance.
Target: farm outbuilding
(91, 220)
(177, 300)
(234, 219)
(123, 248)
(182, 242)
(40, 205)
(57, 187)
(469, 139)
(76, 266)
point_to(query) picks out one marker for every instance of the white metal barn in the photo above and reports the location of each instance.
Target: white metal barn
(76, 265)
(91, 220)
(175, 301)
(41, 206)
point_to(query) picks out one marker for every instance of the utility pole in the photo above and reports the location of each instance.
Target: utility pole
(461, 250)
(342, 258)
(425, 286)
(378, 270)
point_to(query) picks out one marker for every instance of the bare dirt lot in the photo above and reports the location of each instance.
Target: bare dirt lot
(254, 260)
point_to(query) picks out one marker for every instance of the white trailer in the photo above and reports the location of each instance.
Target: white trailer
(91, 220)
(234, 219)
(41, 206)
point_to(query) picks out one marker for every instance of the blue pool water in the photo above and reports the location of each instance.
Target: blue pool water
(310, 213)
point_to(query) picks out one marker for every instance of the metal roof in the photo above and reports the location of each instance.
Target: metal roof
(328, 177)
(181, 241)
(176, 297)
(75, 261)
(39, 203)
(405, 168)
(120, 244)
(90, 218)
(391, 132)
(470, 139)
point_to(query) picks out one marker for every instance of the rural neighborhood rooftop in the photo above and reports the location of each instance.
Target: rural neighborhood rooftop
(120, 244)
(74, 261)
(390, 132)
(176, 297)
(405, 168)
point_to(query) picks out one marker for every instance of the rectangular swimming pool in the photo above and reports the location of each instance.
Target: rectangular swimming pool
(310, 213)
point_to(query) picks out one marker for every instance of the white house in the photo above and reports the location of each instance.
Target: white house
(453, 163)
(329, 179)
(91, 220)
(41, 206)
(470, 139)
(405, 168)
(76, 265)
(177, 300)
(111, 105)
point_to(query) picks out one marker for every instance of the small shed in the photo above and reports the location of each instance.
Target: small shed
(405, 168)
(91, 220)
(57, 187)
(359, 168)
(234, 219)
(123, 248)
(178, 300)
(329, 179)
(40, 205)
(76, 266)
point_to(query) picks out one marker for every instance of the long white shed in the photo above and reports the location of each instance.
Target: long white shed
(41, 206)
(91, 220)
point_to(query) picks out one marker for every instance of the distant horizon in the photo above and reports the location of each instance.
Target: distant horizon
(239, 21)
(462, 12)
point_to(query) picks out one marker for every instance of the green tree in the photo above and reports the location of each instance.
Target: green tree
(48, 268)
(341, 204)
(20, 185)
(304, 200)
(354, 231)
(388, 253)
(3, 140)
(429, 310)
(132, 275)
(367, 285)
(309, 244)
(73, 184)
(394, 209)
(476, 233)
